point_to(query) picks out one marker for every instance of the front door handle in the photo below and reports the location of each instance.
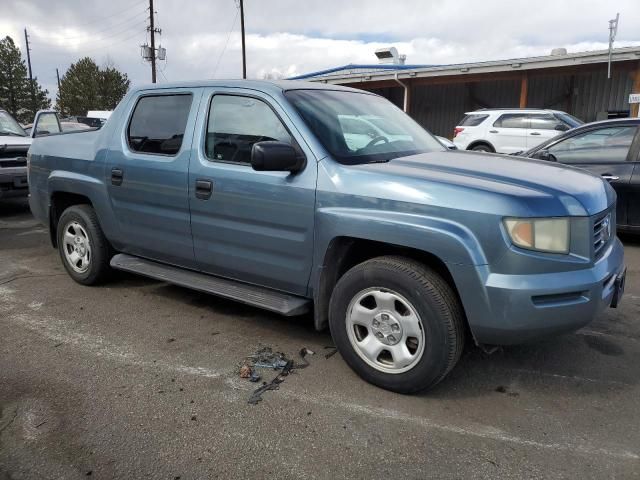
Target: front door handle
(534, 133)
(117, 175)
(493, 131)
(204, 189)
(608, 177)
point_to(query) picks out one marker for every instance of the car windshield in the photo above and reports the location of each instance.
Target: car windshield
(570, 120)
(359, 127)
(8, 126)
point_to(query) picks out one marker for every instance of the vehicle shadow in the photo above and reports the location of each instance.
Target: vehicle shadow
(14, 207)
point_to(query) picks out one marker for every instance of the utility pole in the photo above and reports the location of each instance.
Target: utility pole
(151, 53)
(58, 77)
(153, 42)
(33, 93)
(244, 55)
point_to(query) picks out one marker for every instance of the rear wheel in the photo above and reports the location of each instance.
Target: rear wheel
(482, 148)
(397, 323)
(84, 250)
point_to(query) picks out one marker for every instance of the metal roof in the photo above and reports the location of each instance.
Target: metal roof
(352, 67)
(345, 74)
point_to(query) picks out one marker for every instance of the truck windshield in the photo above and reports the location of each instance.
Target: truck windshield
(359, 127)
(8, 126)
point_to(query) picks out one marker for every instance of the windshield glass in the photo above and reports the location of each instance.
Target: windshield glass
(8, 126)
(361, 128)
(570, 120)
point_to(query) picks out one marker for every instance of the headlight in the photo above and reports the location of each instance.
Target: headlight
(541, 234)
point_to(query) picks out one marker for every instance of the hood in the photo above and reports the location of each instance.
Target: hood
(11, 140)
(539, 188)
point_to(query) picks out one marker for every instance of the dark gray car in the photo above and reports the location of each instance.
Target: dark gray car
(610, 148)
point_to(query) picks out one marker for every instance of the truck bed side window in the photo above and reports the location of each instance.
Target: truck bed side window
(158, 123)
(236, 123)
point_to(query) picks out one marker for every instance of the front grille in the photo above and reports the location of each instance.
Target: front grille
(602, 229)
(13, 151)
(18, 162)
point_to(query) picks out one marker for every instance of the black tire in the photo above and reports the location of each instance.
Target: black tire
(434, 301)
(483, 147)
(98, 269)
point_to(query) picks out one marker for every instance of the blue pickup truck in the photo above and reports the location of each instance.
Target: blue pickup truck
(259, 192)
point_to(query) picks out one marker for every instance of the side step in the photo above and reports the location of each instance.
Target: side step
(275, 301)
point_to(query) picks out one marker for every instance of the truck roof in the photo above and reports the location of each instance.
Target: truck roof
(261, 85)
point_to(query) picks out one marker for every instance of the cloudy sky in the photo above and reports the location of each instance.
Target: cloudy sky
(289, 37)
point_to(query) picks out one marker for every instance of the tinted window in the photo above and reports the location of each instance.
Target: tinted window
(158, 123)
(323, 110)
(543, 122)
(236, 123)
(473, 120)
(512, 120)
(605, 145)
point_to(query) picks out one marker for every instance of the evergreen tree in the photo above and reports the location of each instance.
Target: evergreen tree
(86, 87)
(21, 98)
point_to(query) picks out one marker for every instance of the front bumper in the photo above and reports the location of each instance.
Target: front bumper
(512, 309)
(13, 182)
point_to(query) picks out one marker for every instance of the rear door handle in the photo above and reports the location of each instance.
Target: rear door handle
(117, 175)
(608, 177)
(534, 133)
(204, 189)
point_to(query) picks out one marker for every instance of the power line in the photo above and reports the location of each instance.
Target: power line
(102, 39)
(118, 13)
(127, 22)
(226, 43)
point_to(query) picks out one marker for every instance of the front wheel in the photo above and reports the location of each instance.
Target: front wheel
(482, 148)
(397, 323)
(84, 250)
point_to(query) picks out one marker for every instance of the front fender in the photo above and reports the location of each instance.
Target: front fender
(451, 242)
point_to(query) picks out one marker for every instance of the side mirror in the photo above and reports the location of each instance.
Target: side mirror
(561, 127)
(545, 155)
(274, 156)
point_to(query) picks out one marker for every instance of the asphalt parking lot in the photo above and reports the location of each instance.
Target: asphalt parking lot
(138, 379)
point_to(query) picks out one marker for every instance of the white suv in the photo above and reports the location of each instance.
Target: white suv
(510, 130)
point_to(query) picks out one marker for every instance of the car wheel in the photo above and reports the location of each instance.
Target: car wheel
(84, 250)
(397, 323)
(482, 148)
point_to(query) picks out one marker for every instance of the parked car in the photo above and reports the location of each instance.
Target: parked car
(610, 148)
(14, 144)
(510, 130)
(250, 190)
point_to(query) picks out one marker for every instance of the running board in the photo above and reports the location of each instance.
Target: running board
(261, 297)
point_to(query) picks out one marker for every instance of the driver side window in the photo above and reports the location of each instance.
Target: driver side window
(236, 123)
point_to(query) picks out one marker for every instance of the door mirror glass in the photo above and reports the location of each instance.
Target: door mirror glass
(543, 155)
(275, 156)
(561, 127)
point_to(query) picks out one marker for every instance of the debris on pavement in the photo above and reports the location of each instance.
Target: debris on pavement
(266, 358)
(245, 371)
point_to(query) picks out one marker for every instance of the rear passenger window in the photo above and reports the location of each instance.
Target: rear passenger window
(236, 123)
(512, 120)
(473, 120)
(158, 123)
